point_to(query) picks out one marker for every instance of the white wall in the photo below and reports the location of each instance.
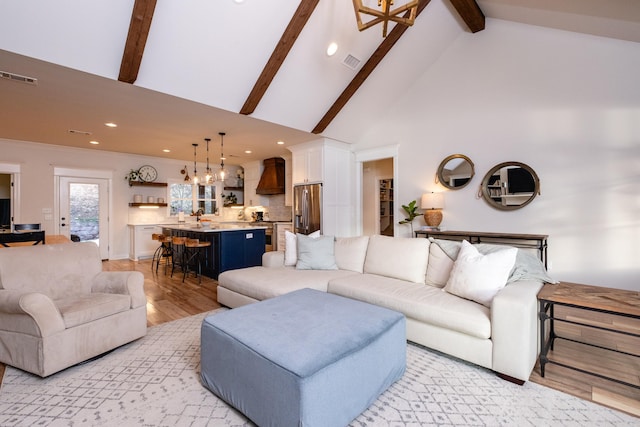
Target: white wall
(566, 104)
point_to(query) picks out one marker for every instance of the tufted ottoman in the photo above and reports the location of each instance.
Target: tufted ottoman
(306, 358)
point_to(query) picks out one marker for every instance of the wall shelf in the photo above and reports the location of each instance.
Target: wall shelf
(146, 184)
(234, 188)
(137, 205)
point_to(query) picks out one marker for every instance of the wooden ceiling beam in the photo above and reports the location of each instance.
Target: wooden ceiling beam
(375, 59)
(470, 13)
(289, 37)
(136, 40)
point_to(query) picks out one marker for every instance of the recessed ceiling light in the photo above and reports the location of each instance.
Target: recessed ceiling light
(166, 150)
(248, 151)
(332, 49)
(280, 142)
(238, 1)
(111, 125)
(94, 142)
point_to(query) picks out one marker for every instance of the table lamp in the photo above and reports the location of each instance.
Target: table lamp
(432, 203)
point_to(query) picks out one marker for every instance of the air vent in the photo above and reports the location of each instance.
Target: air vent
(351, 62)
(19, 78)
(79, 132)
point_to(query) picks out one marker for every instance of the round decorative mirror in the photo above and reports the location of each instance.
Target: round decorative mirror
(455, 171)
(510, 186)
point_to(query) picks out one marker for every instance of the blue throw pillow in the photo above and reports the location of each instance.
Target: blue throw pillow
(316, 254)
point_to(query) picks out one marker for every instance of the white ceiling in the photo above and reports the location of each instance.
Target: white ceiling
(202, 59)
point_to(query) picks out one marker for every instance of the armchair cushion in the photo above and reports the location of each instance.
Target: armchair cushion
(87, 308)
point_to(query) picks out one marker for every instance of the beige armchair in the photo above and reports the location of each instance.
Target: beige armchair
(58, 308)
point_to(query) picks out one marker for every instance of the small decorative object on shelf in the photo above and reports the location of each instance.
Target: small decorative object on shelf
(240, 176)
(230, 199)
(132, 176)
(147, 173)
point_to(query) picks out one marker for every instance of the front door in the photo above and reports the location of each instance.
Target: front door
(84, 211)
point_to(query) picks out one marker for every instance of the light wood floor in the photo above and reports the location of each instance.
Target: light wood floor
(169, 299)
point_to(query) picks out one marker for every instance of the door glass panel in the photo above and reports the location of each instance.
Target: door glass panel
(84, 205)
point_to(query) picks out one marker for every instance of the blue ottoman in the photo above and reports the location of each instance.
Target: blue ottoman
(306, 358)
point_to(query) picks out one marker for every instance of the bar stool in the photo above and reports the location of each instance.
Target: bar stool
(193, 256)
(164, 252)
(177, 245)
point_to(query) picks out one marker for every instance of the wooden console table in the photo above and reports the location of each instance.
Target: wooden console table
(535, 241)
(594, 298)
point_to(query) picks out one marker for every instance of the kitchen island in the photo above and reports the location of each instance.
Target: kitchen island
(232, 245)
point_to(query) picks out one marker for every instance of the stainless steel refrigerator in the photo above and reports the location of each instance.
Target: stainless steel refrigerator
(307, 208)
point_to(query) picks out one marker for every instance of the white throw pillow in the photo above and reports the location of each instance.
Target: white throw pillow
(291, 248)
(316, 253)
(439, 266)
(403, 258)
(479, 277)
(350, 252)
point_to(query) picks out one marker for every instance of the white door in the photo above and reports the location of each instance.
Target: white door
(84, 210)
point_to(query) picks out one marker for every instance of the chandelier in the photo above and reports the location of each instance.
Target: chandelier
(222, 172)
(386, 14)
(208, 178)
(195, 178)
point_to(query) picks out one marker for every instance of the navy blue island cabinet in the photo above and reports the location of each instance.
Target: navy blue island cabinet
(230, 248)
(240, 249)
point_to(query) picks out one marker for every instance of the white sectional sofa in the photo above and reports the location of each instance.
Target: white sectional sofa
(410, 276)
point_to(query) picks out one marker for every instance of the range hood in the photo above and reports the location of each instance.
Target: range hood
(272, 179)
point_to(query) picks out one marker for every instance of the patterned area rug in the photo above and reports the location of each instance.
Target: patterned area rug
(155, 382)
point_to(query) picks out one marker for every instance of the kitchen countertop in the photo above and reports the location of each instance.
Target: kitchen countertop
(215, 227)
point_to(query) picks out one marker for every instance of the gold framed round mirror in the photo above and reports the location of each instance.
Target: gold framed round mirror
(510, 185)
(455, 171)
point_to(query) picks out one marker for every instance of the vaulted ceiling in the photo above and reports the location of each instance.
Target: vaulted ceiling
(172, 73)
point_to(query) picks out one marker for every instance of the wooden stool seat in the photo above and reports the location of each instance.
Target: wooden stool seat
(164, 251)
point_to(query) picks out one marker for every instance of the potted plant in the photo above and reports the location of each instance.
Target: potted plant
(410, 209)
(132, 175)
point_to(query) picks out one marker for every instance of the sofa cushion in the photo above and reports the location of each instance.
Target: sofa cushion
(423, 303)
(262, 283)
(87, 308)
(479, 277)
(350, 252)
(439, 267)
(291, 247)
(316, 253)
(401, 258)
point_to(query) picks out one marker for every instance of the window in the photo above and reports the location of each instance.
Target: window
(189, 198)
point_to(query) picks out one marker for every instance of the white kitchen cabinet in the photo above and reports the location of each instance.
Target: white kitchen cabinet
(330, 163)
(141, 243)
(308, 164)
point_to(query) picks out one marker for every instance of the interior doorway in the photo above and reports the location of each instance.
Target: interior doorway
(378, 209)
(5, 201)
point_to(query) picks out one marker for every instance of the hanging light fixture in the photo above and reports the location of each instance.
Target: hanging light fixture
(208, 178)
(195, 178)
(385, 14)
(222, 173)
